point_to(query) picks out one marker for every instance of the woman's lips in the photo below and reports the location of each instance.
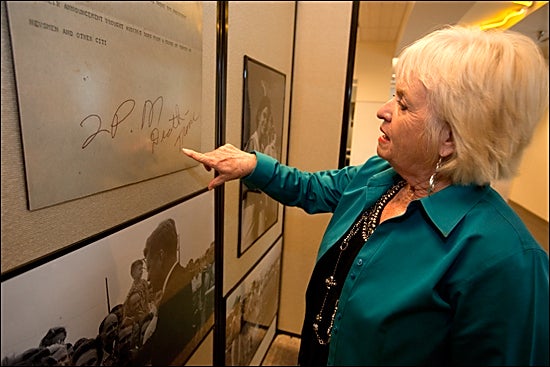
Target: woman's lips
(383, 138)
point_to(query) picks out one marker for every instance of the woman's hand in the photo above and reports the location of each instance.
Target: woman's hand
(228, 161)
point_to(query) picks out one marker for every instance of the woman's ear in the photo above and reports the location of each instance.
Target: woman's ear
(447, 146)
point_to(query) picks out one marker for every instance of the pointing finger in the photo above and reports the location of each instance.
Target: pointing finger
(199, 157)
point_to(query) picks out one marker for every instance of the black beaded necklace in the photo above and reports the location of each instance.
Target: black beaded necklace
(366, 224)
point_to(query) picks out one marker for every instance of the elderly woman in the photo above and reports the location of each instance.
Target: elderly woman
(423, 263)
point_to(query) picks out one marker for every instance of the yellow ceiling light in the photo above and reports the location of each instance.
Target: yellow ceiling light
(524, 3)
(503, 21)
(513, 16)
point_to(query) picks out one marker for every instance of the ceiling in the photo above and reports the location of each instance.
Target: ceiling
(402, 22)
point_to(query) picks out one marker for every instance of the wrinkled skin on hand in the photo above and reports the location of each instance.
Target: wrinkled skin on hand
(228, 161)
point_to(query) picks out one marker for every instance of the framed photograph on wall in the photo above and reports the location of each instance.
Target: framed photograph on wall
(262, 130)
(143, 295)
(251, 308)
(123, 120)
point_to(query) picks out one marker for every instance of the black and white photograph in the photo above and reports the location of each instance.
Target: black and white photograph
(251, 308)
(143, 295)
(263, 112)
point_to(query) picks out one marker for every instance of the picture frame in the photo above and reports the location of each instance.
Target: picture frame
(251, 310)
(124, 120)
(72, 303)
(262, 131)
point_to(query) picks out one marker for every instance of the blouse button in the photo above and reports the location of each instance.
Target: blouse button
(359, 262)
(352, 276)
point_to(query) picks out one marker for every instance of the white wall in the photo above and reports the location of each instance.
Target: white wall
(372, 71)
(530, 187)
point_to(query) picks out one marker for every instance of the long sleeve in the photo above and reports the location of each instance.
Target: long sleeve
(316, 192)
(501, 314)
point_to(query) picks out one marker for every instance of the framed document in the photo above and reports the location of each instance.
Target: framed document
(108, 93)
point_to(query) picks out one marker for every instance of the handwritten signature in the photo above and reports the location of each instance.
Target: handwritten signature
(151, 117)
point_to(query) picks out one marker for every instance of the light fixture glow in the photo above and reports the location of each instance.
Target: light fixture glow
(504, 20)
(527, 4)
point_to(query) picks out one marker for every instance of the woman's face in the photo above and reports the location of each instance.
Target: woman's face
(403, 142)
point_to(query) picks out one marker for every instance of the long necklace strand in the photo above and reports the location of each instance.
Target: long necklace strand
(367, 223)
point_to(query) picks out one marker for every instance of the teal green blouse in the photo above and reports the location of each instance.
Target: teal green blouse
(456, 280)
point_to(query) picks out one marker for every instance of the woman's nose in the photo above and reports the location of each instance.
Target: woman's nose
(384, 112)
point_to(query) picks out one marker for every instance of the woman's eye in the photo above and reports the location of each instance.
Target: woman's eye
(401, 105)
